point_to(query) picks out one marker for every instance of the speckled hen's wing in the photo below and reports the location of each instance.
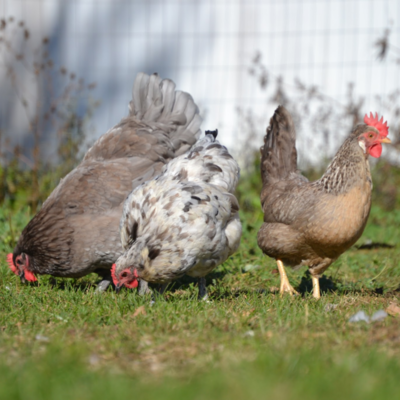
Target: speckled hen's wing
(194, 225)
(208, 161)
(171, 202)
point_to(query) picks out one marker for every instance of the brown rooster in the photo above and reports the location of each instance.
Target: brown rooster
(313, 223)
(76, 232)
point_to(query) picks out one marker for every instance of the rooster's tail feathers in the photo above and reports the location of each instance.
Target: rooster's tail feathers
(278, 155)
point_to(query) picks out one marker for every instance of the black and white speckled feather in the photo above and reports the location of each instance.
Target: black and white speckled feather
(184, 221)
(208, 161)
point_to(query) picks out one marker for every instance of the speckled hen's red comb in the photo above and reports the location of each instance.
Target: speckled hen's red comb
(114, 278)
(11, 264)
(377, 123)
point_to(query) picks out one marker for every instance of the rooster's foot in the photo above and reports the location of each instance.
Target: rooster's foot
(286, 287)
(316, 290)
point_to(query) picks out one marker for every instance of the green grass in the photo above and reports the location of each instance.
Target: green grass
(59, 340)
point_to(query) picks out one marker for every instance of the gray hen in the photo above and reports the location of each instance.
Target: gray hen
(76, 232)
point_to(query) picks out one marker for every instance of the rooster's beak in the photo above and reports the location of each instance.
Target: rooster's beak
(386, 140)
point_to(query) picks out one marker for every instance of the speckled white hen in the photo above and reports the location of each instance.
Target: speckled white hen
(185, 221)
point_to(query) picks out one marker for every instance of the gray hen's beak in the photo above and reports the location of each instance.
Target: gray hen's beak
(22, 277)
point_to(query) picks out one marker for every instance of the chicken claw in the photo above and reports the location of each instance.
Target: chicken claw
(285, 285)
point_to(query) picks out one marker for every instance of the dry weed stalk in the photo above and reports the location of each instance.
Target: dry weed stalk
(56, 118)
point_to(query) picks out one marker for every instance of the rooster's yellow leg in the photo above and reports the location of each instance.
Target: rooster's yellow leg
(285, 285)
(315, 284)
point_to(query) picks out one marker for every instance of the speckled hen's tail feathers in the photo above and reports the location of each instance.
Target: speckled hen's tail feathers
(279, 155)
(155, 101)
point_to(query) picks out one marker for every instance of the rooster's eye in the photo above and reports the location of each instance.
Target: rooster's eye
(124, 275)
(371, 135)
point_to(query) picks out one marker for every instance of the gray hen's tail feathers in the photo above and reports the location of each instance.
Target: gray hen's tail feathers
(279, 155)
(155, 102)
(162, 124)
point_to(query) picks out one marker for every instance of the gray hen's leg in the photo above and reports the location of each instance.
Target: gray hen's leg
(104, 283)
(202, 289)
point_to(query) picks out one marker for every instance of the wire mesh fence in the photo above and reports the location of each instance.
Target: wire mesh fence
(232, 56)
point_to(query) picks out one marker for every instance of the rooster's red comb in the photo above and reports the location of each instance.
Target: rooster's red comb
(11, 264)
(377, 123)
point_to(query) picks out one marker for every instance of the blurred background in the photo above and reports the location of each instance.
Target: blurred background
(67, 69)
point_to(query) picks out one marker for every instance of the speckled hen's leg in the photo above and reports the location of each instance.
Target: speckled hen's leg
(202, 289)
(163, 288)
(160, 291)
(143, 288)
(285, 285)
(316, 291)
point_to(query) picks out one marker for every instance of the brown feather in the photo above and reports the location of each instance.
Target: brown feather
(311, 223)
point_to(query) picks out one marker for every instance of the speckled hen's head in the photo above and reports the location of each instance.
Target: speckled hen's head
(130, 266)
(128, 277)
(374, 133)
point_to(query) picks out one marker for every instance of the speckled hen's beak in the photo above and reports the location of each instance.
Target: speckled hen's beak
(386, 140)
(118, 287)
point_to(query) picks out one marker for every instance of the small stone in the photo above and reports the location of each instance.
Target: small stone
(360, 316)
(94, 359)
(249, 334)
(41, 338)
(330, 307)
(250, 267)
(380, 315)
(393, 310)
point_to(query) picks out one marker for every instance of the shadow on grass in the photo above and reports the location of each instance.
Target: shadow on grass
(219, 292)
(328, 285)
